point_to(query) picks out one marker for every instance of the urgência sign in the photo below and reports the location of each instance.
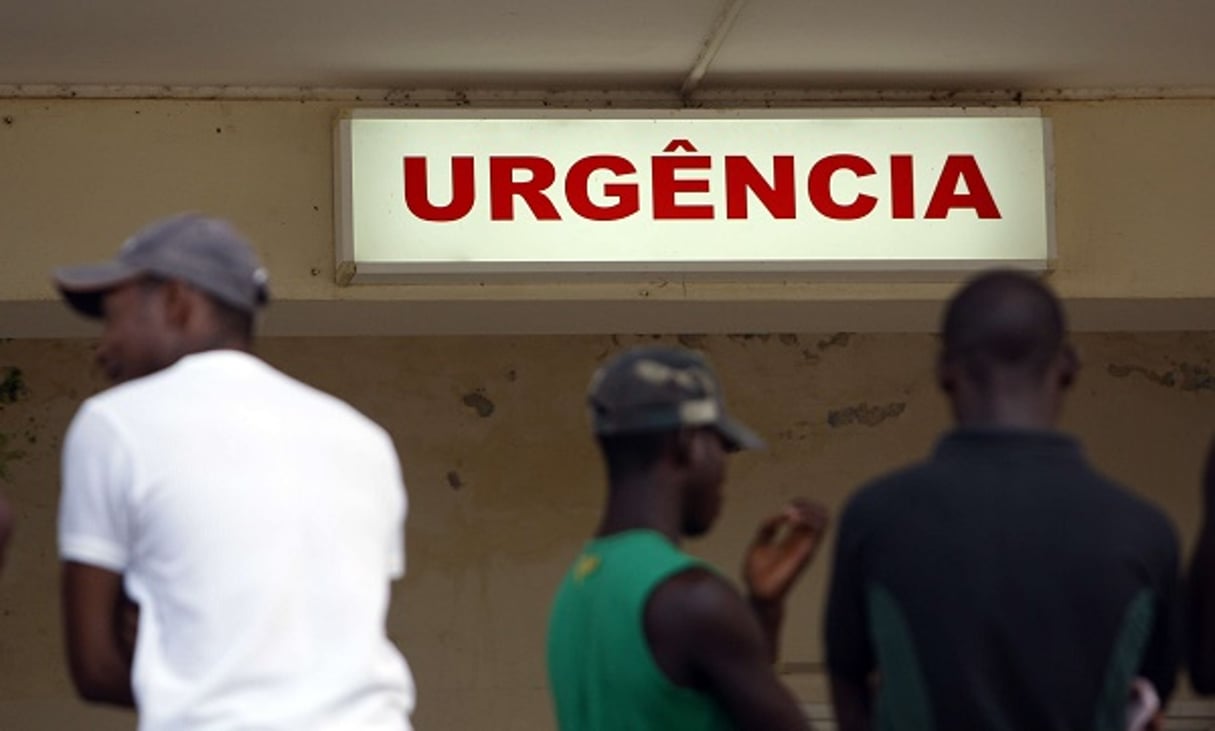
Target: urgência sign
(477, 193)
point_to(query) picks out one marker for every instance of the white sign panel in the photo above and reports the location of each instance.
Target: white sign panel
(482, 193)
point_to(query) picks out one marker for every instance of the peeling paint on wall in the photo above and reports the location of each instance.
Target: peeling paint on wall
(695, 341)
(864, 414)
(799, 432)
(12, 386)
(479, 402)
(748, 338)
(1183, 377)
(838, 340)
(8, 455)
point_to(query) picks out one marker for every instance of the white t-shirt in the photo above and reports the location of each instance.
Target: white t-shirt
(258, 523)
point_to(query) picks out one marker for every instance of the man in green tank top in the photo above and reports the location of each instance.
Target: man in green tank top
(643, 636)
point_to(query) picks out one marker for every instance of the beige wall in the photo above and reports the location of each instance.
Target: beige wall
(501, 499)
(77, 176)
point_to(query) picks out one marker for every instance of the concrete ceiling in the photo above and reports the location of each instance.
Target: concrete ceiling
(1064, 45)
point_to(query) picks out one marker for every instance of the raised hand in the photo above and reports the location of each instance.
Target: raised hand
(783, 547)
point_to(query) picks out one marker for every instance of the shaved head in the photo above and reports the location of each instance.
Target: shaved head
(1003, 321)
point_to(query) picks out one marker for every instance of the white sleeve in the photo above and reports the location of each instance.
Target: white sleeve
(396, 548)
(94, 520)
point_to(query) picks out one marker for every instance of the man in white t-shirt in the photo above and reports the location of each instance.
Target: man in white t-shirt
(228, 534)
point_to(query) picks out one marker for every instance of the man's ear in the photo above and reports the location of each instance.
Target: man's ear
(683, 446)
(178, 303)
(947, 374)
(1069, 366)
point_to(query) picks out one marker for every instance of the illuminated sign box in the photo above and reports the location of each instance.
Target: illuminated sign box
(475, 193)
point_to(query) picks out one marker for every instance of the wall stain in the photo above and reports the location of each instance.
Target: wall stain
(838, 340)
(12, 386)
(1196, 377)
(694, 341)
(745, 338)
(512, 375)
(453, 479)
(1183, 377)
(789, 339)
(811, 357)
(8, 456)
(864, 414)
(478, 401)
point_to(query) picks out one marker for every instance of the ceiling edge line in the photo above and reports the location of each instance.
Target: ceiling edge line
(592, 97)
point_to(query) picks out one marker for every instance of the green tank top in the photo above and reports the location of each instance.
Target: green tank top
(601, 672)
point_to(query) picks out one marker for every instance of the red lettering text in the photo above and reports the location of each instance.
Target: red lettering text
(946, 197)
(667, 185)
(605, 187)
(417, 190)
(503, 187)
(777, 197)
(577, 184)
(902, 187)
(820, 187)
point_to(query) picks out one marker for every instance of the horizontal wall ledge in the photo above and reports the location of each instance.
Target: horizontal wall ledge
(298, 318)
(575, 97)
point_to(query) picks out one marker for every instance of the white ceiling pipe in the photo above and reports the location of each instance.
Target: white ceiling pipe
(708, 50)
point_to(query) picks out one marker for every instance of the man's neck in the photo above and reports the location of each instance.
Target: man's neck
(1010, 411)
(641, 503)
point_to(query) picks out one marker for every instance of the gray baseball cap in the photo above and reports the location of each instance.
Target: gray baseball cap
(662, 388)
(207, 253)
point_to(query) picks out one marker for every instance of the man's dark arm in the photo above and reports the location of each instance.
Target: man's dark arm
(771, 617)
(852, 701)
(704, 636)
(783, 547)
(95, 613)
(1202, 590)
(1162, 656)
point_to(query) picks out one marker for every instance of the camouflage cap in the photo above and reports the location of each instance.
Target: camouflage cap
(661, 388)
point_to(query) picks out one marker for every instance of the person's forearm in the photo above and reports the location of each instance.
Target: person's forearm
(104, 680)
(771, 615)
(93, 614)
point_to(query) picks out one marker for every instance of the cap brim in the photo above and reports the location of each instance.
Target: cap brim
(737, 436)
(83, 286)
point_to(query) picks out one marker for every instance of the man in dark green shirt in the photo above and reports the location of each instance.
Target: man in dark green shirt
(1002, 584)
(644, 637)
